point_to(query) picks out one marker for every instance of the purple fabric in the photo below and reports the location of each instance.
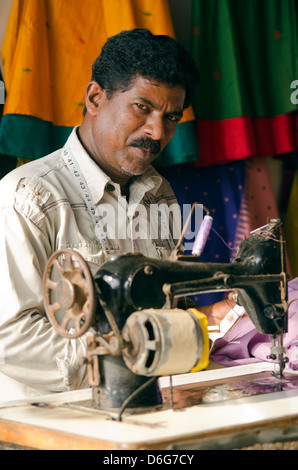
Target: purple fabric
(243, 344)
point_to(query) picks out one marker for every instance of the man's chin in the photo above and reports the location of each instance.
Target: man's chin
(135, 169)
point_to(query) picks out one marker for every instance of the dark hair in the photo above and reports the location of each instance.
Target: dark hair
(138, 52)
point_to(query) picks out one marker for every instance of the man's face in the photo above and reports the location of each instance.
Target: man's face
(131, 129)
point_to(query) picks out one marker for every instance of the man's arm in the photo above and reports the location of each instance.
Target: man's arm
(32, 352)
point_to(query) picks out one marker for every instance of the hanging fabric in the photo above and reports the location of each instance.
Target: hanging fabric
(48, 52)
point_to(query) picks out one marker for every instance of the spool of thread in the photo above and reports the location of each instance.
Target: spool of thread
(202, 235)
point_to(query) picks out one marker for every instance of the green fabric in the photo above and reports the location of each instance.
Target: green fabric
(182, 148)
(247, 55)
(31, 138)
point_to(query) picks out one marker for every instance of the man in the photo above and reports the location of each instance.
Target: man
(140, 86)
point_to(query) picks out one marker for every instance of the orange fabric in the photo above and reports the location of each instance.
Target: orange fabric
(50, 46)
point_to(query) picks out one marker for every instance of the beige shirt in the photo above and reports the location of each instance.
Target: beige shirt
(41, 211)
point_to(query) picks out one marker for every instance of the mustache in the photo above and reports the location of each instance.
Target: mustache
(145, 143)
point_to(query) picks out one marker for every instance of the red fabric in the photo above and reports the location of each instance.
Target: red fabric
(234, 139)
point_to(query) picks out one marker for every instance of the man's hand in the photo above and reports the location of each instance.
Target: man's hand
(216, 312)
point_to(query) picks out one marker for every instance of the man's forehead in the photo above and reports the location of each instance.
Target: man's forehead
(142, 87)
(141, 81)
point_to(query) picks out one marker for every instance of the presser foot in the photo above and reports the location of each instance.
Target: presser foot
(280, 366)
(278, 355)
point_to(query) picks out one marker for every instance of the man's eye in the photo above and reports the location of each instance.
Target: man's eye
(141, 106)
(173, 118)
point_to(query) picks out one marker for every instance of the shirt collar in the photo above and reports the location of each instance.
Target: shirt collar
(97, 179)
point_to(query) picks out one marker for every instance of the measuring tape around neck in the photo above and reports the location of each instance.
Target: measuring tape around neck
(81, 184)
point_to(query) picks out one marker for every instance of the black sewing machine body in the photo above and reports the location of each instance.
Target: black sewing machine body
(132, 282)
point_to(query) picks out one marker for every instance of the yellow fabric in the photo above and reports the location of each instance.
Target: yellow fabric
(50, 46)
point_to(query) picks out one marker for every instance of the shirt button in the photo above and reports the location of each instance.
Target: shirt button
(110, 187)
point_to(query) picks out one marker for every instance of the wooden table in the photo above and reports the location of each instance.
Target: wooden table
(198, 418)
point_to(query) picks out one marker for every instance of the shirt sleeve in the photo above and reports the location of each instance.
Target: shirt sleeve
(32, 352)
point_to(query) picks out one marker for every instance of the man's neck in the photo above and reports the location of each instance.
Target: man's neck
(122, 180)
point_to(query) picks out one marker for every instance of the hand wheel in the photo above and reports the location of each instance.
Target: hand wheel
(69, 293)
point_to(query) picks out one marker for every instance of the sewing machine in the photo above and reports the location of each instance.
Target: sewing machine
(137, 328)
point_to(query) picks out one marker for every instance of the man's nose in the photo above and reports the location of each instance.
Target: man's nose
(154, 127)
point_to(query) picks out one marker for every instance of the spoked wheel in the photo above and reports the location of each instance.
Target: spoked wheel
(69, 293)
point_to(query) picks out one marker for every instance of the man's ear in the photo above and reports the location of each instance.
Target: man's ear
(93, 97)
